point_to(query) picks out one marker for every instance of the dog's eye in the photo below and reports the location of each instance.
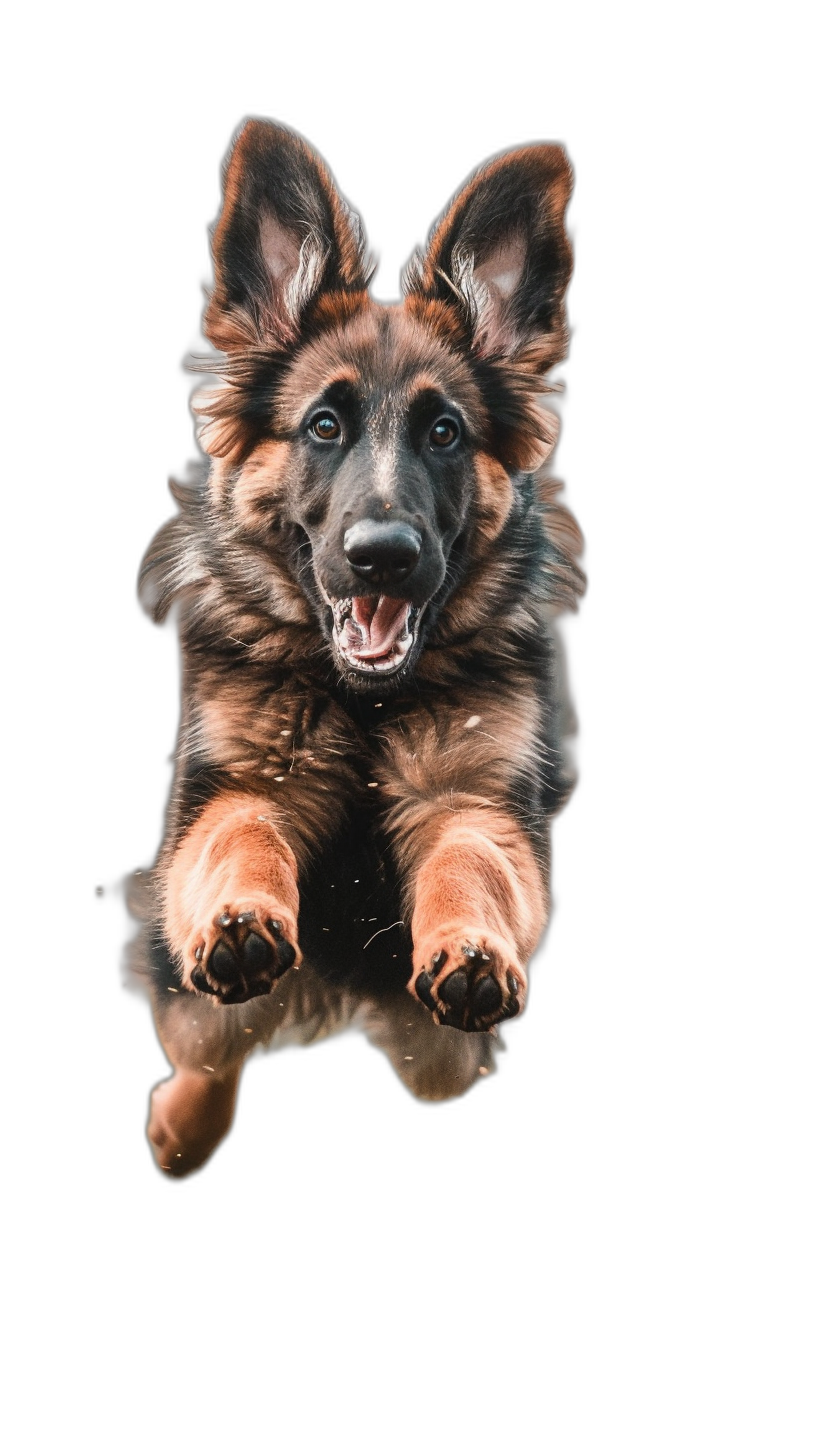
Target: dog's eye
(325, 427)
(444, 433)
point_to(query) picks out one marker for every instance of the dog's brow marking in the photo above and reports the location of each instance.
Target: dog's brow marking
(422, 382)
(346, 376)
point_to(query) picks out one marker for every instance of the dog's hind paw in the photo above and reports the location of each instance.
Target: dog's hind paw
(470, 982)
(241, 955)
(189, 1115)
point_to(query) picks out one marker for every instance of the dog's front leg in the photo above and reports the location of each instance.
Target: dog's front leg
(230, 907)
(230, 901)
(479, 907)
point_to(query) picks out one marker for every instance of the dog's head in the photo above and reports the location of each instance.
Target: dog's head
(368, 451)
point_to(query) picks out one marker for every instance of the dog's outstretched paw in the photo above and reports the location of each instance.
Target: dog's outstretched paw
(470, 983)
(241, 955)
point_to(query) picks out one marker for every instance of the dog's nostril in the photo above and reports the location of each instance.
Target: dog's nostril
(382, 552)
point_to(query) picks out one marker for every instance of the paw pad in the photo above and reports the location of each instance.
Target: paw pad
(474, 995)
(245, 959)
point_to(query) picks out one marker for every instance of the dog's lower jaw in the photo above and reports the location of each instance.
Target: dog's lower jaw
(375, 684)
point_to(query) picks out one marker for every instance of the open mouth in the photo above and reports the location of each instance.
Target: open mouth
(375, 634)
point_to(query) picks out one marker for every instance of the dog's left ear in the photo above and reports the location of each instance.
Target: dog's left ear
(500, 257)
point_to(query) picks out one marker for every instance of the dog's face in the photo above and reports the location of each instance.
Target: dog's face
(384, 423)
(369, 452)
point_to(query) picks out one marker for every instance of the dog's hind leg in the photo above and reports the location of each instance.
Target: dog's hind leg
(189, 1115)
(433, 1062)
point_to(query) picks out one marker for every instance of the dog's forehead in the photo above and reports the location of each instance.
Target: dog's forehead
(387, 357)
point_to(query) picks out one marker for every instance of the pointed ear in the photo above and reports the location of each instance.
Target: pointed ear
(283, 237)
(501, 258)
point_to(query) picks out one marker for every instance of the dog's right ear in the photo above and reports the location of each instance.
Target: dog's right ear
(283, 237)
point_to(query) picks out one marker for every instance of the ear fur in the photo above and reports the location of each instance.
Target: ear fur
(501, 258)
(284, 235)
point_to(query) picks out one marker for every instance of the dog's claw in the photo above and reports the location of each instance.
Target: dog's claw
(286, 955)
(512, 1007)
(424, 982)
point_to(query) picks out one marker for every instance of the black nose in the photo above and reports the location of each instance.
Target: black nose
(382, 552)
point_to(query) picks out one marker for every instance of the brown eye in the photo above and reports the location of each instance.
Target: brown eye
(444, 433)
(325, 427)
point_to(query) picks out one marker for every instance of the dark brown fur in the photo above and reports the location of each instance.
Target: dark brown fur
(385, 831)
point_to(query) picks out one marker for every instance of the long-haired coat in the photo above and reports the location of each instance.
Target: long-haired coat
(369, 752)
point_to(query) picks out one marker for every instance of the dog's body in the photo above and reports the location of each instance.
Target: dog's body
(369, 750)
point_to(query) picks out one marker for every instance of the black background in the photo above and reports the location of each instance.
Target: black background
(331, 1129)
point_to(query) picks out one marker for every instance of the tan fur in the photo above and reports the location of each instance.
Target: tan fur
(495, 497)
(189, 1115)
(259, 483)
(479, 888)
(448, 777)
(434, 758)
(232, 860)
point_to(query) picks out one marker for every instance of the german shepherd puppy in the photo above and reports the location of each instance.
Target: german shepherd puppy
(369, 749)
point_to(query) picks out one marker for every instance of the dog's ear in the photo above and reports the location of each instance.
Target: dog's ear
(501, 258)
(284, 236)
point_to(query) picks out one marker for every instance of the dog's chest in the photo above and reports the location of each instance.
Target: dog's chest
(352, 926)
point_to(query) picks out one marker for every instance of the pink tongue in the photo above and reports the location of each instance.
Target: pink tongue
(383, 619)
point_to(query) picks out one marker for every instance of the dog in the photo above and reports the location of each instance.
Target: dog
(365, 577)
